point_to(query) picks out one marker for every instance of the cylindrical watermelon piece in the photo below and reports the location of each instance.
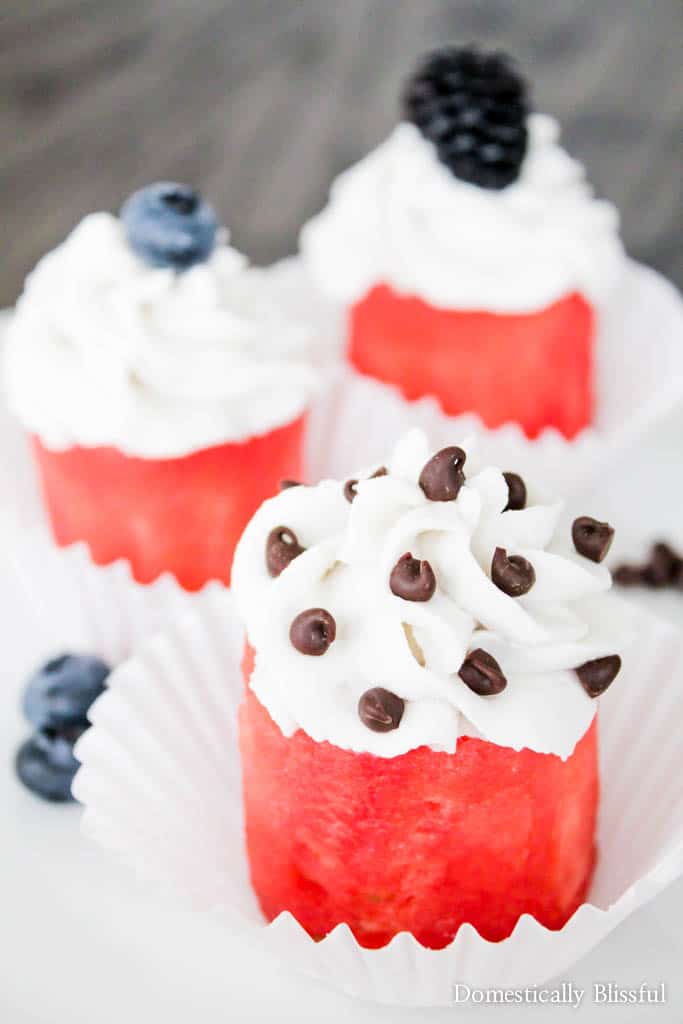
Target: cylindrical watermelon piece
(422, 842)
(182, 515)
(535, 369)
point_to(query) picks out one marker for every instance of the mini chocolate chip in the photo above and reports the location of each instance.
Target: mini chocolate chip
(482, 673)
(592, 539)
(313, 631)
(286, 484)
(442, 477)
(350, 489)
(663, 566)
(514, 575)
(282, 547)
(516, 492)
(596, 675)
(412, 579)
(629, 575)
(380, 709)
(350, 486)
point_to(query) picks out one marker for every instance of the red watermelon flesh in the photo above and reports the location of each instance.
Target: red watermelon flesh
(422, 842)
(534, 369)
(182, 515)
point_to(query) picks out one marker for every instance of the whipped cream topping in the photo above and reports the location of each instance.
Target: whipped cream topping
(401, 217)
(105, 350)
(415, 649)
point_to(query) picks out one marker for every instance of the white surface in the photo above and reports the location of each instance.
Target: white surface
(83, 942)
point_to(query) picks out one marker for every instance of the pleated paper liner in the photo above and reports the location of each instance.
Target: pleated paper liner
(160, 782)
(639, 379)
(56, 600)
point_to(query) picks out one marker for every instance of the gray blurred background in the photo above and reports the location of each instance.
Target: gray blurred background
(261, 102)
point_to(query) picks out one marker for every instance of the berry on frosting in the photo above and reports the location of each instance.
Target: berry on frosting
(169, 225)
(61, 692)
(473, 106)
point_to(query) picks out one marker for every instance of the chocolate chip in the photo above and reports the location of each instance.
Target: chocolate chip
(442, 477)
(313, 631)
(286, 484)
(350, 489)
(663, 566)
(350, 486)
(516, 492)
(412, 580)
(482, 673)
(282, 547)
(380, 709)
(629, 575)
(514, 575)
(596, 675)
(592, 539)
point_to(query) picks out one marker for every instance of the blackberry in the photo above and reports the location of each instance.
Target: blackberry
(473, 107)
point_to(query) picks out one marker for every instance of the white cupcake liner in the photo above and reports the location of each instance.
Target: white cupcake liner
(160, 782)
(56, 599)
(639, 380)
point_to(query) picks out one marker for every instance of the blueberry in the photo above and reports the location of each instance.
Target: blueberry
(169, 225)
(61, 692)
(45, 763)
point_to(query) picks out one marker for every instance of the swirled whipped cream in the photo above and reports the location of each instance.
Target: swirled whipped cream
(338, 558)
(400, 217)
(105, 350)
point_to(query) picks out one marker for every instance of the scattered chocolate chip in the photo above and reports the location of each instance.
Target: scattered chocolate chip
(282, 547)
(442, 477)
(350, 486)
(629, 575)
(514, 575)
(380, 709)
(313, 631)
(596, 675)
(663, 566)
(412, 579)
(286, 484)
(516, 492)
(482, 673)
(350, 489)
(592, 539)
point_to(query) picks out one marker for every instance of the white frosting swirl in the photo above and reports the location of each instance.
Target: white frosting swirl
(104, 350)
(538, 640)
(401, 217)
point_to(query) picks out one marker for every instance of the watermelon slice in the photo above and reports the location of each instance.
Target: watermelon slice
(182, 515)
(534, 369)
(422, 842)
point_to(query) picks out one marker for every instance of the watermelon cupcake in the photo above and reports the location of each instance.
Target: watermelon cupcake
(470, 254)
(418, 732)
(164, 387)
